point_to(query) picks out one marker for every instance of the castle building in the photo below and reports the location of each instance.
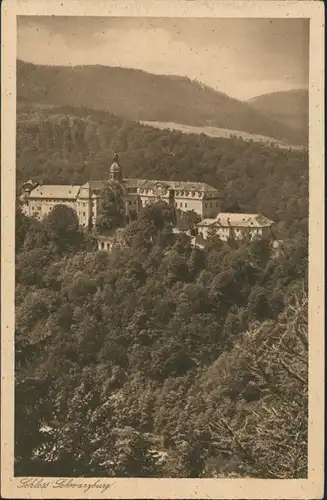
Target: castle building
(39, 200)
(236, 226)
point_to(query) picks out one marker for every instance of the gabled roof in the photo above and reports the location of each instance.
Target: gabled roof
(192, 186)
(206, 222)
(242, 220)
(131, 182)
(96, 184)
(55, 192)
(237, 220)
(175, 185)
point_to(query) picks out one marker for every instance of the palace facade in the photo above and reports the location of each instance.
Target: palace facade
(39, 200)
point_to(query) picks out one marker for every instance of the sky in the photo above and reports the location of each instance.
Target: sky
(241, 57)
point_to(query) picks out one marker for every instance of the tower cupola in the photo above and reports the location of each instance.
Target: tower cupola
(115, 170)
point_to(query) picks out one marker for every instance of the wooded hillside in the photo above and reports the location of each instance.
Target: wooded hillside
(73, 145)
(159, 359)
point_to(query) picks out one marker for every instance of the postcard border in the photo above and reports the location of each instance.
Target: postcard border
(171, 488)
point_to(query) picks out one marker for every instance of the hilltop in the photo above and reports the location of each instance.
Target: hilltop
(142, 96)
(290, 108)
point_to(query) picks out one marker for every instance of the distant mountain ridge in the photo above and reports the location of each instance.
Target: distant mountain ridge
(290, 107)
(141, 96)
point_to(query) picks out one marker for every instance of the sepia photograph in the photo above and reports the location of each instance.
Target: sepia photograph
(160, 257)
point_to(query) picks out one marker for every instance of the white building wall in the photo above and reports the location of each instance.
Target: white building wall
(40, 208)
(211, 207)
(238, 233)
(185, 204)
(84, 211)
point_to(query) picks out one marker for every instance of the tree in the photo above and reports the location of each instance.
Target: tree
(62, 228)
(267, 366)
(160, 214)
(187, 220)
(22, 226)
(111, 211)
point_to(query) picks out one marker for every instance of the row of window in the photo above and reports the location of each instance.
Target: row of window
(55, 200)
(104, 246)
(186, 193)
(237, 231)
(177, 193)
(210, 204)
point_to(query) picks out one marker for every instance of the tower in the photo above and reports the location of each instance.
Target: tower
(115, 170)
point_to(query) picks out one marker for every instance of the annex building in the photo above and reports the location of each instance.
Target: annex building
(236, 226)
(39, 200)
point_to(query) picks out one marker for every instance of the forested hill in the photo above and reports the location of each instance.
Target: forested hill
(138, 95)
(72, 145)
(158, 359)
(289, 107)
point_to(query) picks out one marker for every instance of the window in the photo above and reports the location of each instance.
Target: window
(185, 205)
(39, 208)
(205, 205)
(210, 205)
(217, 204)
(129, 202)
(186, 193)
(182, 193)
(181, 204)
(84, 214)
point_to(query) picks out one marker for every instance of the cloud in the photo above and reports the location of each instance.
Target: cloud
(226, 58)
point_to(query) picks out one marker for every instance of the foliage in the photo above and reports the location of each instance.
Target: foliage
(111, 208)
(160, 359)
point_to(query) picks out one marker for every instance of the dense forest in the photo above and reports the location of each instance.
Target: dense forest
(138, 95)
(158, 359)
(73, 145)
